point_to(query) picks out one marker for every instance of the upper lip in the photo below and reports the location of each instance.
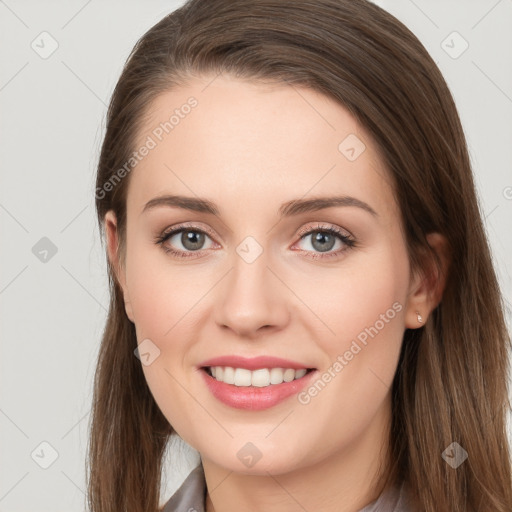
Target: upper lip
(253, 363)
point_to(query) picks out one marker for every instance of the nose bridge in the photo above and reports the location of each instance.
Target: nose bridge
(251, 296)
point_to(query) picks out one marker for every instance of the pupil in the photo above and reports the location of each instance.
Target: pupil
(192, 240)
(322, 236)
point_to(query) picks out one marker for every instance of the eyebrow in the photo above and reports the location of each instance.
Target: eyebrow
(288, 209)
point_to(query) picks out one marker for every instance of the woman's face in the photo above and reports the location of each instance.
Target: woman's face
(262, 275)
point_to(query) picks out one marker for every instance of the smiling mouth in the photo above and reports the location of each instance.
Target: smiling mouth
(262, 377)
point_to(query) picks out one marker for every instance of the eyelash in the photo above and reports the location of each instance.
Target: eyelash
(333, 230)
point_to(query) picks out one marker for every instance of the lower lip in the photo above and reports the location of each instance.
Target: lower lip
(254, 398)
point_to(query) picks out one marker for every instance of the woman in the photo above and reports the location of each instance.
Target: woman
(298, 262)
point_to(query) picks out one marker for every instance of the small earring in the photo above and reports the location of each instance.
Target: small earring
(420, 318)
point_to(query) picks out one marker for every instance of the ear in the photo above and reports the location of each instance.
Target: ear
(427, 286)
(112, 237)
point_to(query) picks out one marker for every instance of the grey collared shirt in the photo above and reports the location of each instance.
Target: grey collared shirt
(191, 497)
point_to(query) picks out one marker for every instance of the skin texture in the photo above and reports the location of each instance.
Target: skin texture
(249, 147)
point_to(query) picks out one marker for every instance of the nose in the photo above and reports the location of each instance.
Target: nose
(251, 299)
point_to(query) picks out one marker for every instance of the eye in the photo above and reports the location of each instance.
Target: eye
(191, 239)
(323, 239)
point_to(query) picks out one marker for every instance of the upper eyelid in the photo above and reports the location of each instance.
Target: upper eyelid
(182, 227)
(321, 226)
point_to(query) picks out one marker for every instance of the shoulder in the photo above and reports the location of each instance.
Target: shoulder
(191, 495)
(393, 499)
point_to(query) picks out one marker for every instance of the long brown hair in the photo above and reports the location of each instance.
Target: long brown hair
(451, 381)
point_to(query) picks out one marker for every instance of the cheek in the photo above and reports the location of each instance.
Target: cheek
(159, 291)
(355, 295)
(363, 307)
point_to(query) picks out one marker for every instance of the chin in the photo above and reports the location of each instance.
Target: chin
(248, 459)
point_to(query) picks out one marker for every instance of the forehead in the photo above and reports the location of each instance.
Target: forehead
(251, 142)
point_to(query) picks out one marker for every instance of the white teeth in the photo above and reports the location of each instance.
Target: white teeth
(229, 375)
(289, 375)
(259, 378)
(300, 373)
(276, 375)
(242, 377)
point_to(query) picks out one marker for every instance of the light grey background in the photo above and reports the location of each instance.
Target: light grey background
(51, 124)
